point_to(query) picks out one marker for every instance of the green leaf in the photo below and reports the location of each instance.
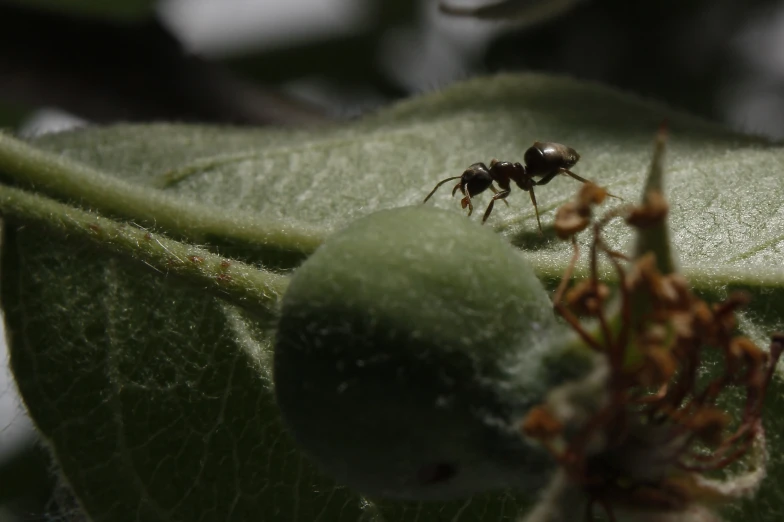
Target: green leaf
(155, 396)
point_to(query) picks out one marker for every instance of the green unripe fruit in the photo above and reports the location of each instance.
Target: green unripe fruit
(409, 349)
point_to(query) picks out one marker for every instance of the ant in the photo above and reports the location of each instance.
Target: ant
(543, 160)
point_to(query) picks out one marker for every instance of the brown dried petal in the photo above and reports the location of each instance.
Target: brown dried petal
(674, 291)
(708, 425)
(724, 312)
(666, 496)
(652, 212)
(733, 302)
(667, 293)
(658, 368)
(702, 319)
(568, 220)
(681, 322)
(743, 348)
(744, 353)
(590, 194)
(587, 297)
(540, 424)
(654, 335)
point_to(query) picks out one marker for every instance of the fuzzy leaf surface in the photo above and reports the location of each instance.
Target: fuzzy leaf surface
(157, 400)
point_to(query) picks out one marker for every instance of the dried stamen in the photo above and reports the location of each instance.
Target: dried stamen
(660, 427)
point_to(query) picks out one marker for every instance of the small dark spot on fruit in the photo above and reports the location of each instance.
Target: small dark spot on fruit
(436, 473)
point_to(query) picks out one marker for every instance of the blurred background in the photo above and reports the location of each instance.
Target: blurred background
(65, 63)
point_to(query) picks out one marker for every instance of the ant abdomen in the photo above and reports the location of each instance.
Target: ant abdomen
(544, 158)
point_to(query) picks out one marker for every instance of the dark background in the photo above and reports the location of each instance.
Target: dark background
(296, 62)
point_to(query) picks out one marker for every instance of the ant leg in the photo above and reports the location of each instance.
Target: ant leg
(495, 191)
(547, 179)
(466, 202)
(438, 185)
(458, 186)
(536, 209)
(583, 180)
(499, 195)
(573, 175)
(560, 305)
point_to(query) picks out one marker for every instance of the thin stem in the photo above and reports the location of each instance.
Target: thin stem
(562, 309)
(241, 284)
(626, 306)
(567, 276)
(657, 237)
(615, 354)
(66, 179)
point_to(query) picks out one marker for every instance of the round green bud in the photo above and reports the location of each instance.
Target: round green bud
(410, 347)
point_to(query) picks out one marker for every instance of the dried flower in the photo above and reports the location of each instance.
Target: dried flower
(659, 435)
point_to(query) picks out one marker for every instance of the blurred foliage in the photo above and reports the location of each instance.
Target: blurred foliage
(129, 10)
(12, 114)
(349, 61)
(679, 52)
(26, 483)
